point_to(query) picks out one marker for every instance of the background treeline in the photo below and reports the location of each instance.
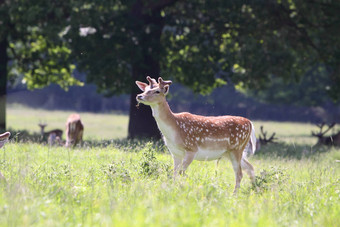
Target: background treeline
(280, 102)
(258, 47)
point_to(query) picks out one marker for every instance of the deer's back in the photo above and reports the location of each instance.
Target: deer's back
(218, 133)
(74, 124)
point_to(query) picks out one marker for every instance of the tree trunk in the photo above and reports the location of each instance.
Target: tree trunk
(3, 83)
(148, 28)
(141, 122)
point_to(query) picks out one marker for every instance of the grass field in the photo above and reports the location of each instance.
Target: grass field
(114, 126)
(97, 126)
(129, 183)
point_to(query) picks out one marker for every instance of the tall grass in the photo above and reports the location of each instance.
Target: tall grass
(129, 183)
(106, 186)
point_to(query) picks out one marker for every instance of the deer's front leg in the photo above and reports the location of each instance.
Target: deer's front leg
(177, 165)
(188, 158)
(235, 158)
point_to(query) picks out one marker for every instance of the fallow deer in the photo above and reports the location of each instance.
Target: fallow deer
(263, 140)
(193, 137)
(74, 130)
(53, 136)
(331, 140)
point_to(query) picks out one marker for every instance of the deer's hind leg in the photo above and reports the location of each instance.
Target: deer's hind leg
(248, 168)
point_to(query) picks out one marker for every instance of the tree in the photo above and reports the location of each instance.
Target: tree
(199, 44)
(251, 42)
(202, 45)
(310, 90)
(117, 43)
(30, 48)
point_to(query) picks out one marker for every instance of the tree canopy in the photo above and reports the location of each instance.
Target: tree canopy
(248, 43)
(31, 51)
(36, 52)
(204, 45)
(200, 44)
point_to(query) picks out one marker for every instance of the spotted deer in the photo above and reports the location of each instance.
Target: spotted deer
(52, 136)
(74, 130)
(193, 137)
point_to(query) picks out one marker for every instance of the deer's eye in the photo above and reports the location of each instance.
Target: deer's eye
(157, 92)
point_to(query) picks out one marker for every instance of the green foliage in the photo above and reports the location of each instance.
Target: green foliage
(200, 44)
(311, 90)
(271, 179)
(117, 170)
(149, 165)
(42, 62)
(38, 55)
(204, 45)
(248, 43)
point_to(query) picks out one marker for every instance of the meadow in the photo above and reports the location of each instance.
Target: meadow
(97, 126)
(123, 182)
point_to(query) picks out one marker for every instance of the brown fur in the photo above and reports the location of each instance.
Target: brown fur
(5, 136)
(74, 130)
(333, 140)
(189, 136)
(52, 136)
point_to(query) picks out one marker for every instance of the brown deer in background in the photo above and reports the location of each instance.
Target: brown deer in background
(333, 139)
(53, 136)
(193, 137)
(263, 140)
(74, 130)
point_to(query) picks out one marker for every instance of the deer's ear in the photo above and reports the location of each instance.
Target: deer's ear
(141, 85)
(166, 89)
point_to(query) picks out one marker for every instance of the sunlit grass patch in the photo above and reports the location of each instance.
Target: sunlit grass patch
(97, 126)
(120, 182)
(108, 185)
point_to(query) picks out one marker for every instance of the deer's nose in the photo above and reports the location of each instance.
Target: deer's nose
(139, 97)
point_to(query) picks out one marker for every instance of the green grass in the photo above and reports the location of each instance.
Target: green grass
(97, 126)
(114, 126)
(108, 186)
(129, 183)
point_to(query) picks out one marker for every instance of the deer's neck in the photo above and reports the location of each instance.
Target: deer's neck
(165, 118)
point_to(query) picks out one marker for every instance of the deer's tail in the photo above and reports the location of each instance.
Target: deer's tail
(253, 139)
(251, 146)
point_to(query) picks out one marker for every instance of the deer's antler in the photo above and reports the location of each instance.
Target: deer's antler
(162, 82)
(320, 126)
(152, 82)
(263, 137)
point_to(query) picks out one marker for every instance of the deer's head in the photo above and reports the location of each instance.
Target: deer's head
(42, 127)
(153, 92)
